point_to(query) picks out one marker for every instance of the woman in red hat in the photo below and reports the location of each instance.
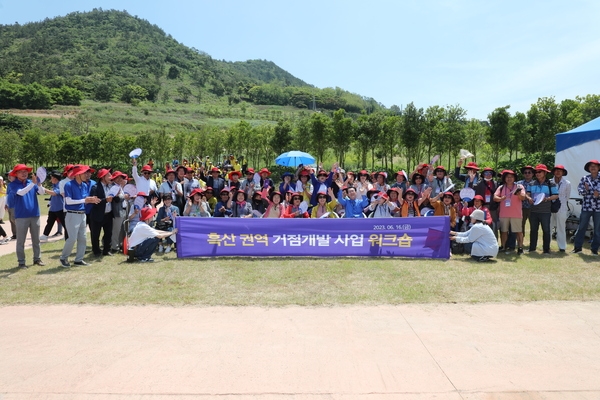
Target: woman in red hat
(380, 182)
(439, 181)
(486, 188)
(509, 197)
(540, 194)
(234, 180)
(471, 178)
(400, 180)
(443, 204)
(165, 221)
(293, 210)
(363, 181)
(589, 189)
(559, 219)
(275, 208)
(240, 206)
(411, 205)
(172, 187)
(324, 207)
(265, 181)
(197, 206)
(477, 205)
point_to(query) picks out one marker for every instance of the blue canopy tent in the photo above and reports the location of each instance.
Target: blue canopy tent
(575, 148)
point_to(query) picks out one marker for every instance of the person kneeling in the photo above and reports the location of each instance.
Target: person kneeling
(144, 238)
(484, 243)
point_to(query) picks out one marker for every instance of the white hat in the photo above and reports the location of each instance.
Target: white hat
(478, 215)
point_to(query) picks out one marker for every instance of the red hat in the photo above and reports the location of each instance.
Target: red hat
(304, 172)
(275, 193)
(232, 173)
(363, 172)
(102, 173)
(486, 169)
(80, 169)
(265, 171)
(141, 194)
(509, 172)
(383, 195)
(225, 190)
(146, 213)
(117, 174)
(395, 189)
(440, 168)
(208, 188)
(189, 170)
(526, 167)
(322, 172)
(169, 171)
(541, 167)
(249, 171)
(401, 173)
(448, 194)
(380, 173)
(215, 169)
(20, 167)
(478, 197)
(67, 169)
(296, 194)
(196, 190)
(147, 168)
(409, 191)
(472, 165)
(182, 166)
(350, 173)
(587, 165)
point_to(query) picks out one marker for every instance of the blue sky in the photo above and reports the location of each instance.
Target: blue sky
(478, 54)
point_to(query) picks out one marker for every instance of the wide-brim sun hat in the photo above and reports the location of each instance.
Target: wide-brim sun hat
(478, 215)
(587, 165)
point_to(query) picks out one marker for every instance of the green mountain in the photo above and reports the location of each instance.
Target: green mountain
(112, 55)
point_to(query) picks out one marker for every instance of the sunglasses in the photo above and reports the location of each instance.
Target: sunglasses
(321, 197)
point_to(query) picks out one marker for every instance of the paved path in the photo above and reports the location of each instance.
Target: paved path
(548, 350)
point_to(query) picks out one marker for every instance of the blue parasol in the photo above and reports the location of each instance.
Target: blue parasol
(294, 158)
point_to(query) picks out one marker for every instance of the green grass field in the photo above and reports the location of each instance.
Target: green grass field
(299, 281)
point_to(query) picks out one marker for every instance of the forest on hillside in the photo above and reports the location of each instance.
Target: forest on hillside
(114, 56)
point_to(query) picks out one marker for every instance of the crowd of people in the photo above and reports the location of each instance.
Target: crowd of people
(139, 213)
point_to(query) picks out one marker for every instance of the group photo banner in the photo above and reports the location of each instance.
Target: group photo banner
(425, 237)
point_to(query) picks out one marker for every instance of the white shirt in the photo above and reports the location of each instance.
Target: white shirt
(564, 191)
(141, 232)
(483, 239)
(141, 183)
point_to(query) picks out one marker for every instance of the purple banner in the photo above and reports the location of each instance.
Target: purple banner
(426, 237)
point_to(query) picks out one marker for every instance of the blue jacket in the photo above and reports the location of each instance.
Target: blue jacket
(354, 208)
(26, 206)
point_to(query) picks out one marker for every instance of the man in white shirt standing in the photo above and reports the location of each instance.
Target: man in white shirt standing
(144, 183)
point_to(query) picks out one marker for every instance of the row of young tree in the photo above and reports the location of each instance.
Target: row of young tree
(383, 139)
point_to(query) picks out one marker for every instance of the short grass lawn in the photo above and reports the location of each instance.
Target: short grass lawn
(299, 281)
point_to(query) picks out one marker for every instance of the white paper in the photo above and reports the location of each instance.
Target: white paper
(303, 206)
(299, 187)
(130, 189)
(465, 153)
(434, 159)
(325, 215)
(139, 201)
(538, 198)
(114, 190)
(41, 175)
(257, 214)
(256, 180)
(467, 193)
(449, 188)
